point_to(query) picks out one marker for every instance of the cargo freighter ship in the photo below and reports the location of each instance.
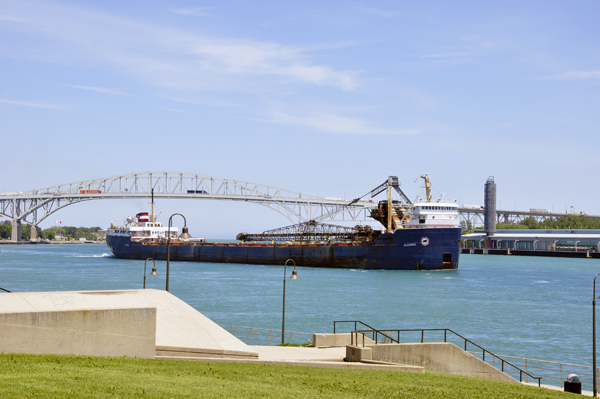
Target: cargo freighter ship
(418, 236)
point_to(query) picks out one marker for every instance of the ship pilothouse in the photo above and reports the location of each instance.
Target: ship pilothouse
(437, 214)
(433, 214)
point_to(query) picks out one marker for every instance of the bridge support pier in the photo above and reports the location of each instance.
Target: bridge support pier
(16, 230)
(33, 236)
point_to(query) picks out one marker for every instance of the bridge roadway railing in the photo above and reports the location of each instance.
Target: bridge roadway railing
(34, 206)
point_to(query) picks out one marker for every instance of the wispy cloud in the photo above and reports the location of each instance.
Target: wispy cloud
(35, 104)
(331, 123)
(170, 58)
(176, 110)
(470, 49)
(448, 55)
(98, 89)
(576, 75)
(196, 12)
(375, 11)
(260, 58)
(9, 18)
(200, 100)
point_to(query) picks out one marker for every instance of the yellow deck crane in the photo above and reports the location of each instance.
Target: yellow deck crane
(386, 213)
(427, 186)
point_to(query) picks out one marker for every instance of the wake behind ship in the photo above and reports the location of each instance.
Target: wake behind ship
(423, 235)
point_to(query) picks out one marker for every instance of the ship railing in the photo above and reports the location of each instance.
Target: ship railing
(266, 336)
(394, 336)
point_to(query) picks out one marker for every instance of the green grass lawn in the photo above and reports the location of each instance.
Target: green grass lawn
(52, 376)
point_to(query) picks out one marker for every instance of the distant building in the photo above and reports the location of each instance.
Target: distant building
(540, 240)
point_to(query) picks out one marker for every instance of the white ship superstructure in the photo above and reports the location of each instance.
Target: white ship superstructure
(416, 214)
(433, 214)
(141, 229)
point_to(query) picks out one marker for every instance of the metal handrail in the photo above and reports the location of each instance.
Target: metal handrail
(264, 336)
(562, 370)
(446, 330)
(4, 289)
(351, 321)
(355, 325)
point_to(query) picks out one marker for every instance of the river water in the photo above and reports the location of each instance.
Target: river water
(519, 306)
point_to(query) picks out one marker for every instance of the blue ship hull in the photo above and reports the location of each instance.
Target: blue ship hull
(405, 249)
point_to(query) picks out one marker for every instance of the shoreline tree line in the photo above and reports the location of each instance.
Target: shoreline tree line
(579, 222)
(69, 232)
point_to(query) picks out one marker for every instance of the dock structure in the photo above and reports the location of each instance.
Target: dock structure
(574, 243)
(560, 242)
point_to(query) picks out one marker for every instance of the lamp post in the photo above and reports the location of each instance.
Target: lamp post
(294, 276)
(184, 234)
(152, 273)
(594, 338)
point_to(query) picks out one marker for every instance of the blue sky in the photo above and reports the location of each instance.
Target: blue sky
(324, 98)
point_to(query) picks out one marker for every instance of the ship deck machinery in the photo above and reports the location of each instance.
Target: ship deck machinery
(404, 219)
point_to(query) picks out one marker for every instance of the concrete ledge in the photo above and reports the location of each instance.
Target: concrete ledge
(166, 351)
(444, 357)
(98, 332)
(358, 353)
(329, 340)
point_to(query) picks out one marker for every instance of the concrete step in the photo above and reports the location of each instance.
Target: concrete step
(181, 352)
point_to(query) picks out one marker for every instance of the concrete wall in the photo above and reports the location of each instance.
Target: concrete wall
(178, 325)
(320, 340)
(440, 356)
(359, 353)
(98, 332)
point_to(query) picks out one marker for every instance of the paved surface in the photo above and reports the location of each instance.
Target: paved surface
(304, 356)
(273, 353)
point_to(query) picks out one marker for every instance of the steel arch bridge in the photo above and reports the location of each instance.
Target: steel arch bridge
(32, 207)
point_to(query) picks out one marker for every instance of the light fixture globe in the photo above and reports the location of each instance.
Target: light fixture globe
(294, 275)
(185, 235)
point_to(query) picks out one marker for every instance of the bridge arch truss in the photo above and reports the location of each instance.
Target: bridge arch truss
(34, 206)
